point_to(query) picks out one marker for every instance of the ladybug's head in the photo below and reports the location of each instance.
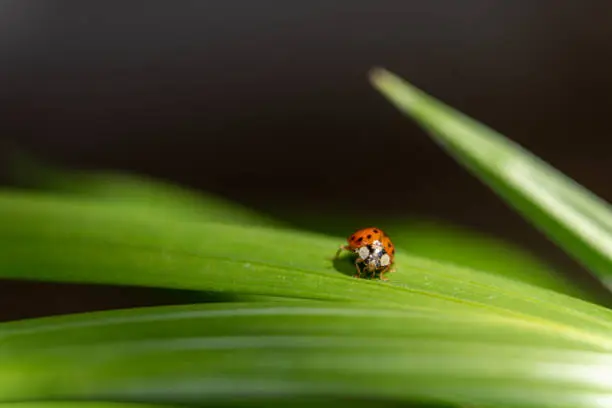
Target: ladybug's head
(374, 256)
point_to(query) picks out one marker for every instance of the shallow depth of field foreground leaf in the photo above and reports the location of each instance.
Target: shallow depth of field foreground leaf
(280, 353)
(570, 215)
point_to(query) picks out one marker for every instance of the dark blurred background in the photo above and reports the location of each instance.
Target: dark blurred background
(267, 103)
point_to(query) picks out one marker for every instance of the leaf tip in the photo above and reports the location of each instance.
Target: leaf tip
(375, 74)
(399, 92)
(381, 79)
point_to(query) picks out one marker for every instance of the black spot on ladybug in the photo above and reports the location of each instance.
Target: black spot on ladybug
(352, 238)
(375, 231)
(389, 245)
(369, 236)
(393, 252)
(359, 239)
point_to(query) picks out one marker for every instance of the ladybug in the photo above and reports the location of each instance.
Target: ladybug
(374, 249)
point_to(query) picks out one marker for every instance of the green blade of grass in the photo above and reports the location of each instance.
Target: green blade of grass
(155, 198)
(273, 354)
(65, 239)
(566, 212)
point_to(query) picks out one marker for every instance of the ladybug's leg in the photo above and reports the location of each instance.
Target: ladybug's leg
(382, 272)
(342, 248)
(357, 262)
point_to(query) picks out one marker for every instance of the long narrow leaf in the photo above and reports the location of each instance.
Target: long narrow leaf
(136, 193)
(566, 212)
(276, 353)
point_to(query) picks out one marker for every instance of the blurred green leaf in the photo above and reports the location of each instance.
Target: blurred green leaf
(155, 198)
(272, 354)
(567, 213)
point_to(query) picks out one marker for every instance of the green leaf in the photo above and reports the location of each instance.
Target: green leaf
(273, 354)
(155, 198)
(62, 239)
(566, 212)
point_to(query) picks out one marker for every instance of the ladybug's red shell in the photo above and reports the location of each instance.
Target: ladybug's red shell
(388, 246)
(365, 236)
